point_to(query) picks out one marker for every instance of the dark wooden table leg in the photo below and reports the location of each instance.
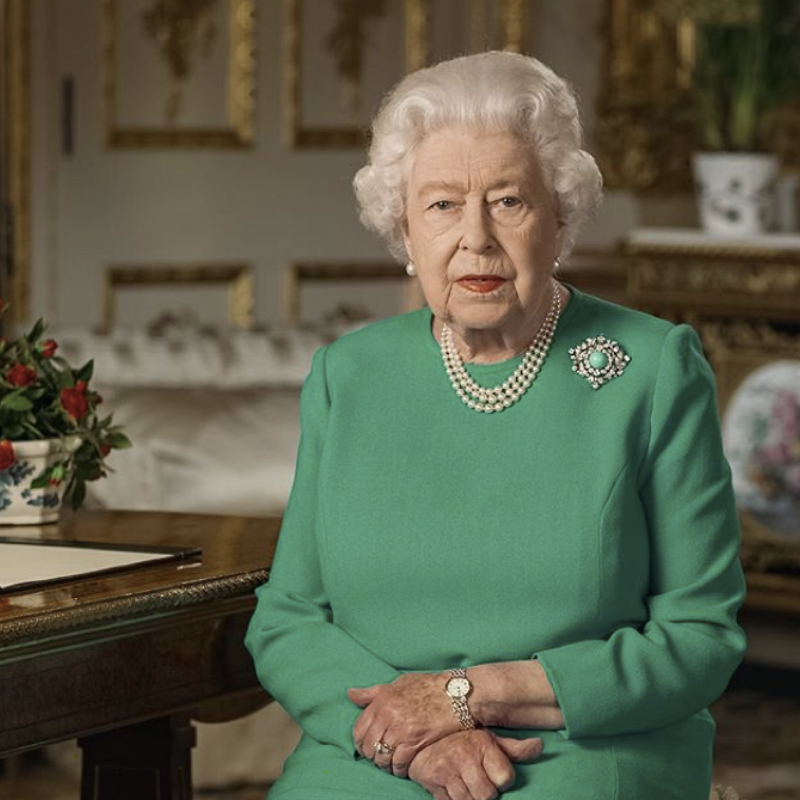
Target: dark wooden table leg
(147, 761)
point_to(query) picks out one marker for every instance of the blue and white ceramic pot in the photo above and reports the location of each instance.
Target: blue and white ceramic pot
(20, 504)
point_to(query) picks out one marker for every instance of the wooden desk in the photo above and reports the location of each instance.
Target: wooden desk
(123, 662)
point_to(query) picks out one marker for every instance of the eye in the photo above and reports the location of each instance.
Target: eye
(510, 202)
(442, 205)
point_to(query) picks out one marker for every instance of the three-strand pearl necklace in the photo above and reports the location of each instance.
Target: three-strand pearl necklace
(498, 398)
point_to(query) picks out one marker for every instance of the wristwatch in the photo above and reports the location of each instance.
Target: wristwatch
(457, 688)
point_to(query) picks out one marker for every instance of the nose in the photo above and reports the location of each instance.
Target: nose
(476, 229)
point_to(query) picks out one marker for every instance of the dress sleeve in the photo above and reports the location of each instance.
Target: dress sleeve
(302, 658)
(681, 659)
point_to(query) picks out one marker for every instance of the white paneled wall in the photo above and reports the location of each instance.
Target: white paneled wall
(267, 206)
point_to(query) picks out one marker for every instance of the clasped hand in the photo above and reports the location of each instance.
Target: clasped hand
(414, 718)
(408, 714)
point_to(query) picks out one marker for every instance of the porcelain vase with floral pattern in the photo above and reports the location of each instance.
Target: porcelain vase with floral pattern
(20, 503)
(736, 192)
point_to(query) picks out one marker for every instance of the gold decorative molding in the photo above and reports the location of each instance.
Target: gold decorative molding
(29, 631)
(645, 131)
(741, 276)
(237, 131)
(297, 133)
(714, 280)
(179, 29)
(298, 275)
(506, 19)
(237, 277)
(15, 95)
(512, 19)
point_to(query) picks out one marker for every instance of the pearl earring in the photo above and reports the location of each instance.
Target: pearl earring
(411, 270)
(557, 263)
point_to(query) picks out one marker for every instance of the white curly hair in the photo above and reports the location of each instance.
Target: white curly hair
(487, 91)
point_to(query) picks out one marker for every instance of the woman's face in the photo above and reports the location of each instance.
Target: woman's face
(482, 230)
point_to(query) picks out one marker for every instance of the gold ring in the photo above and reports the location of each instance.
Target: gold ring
(382, 748)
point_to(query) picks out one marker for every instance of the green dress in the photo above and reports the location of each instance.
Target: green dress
(593, 529)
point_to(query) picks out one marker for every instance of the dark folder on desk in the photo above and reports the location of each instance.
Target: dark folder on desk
(27, 563)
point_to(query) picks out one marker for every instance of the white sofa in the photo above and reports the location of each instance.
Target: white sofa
(214, 418)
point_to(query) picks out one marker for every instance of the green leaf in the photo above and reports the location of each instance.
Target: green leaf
(77, 495)
(16, 402)
(36, 331)
(85, 372)
(118, 440)
(65, 380)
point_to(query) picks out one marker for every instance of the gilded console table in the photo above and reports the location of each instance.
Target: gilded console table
(691, 276)
(124, 662)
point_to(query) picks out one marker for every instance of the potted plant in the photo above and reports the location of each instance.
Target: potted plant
(52, 440)
(746, 66)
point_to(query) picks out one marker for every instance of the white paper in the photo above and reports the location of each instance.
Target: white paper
(22, 563)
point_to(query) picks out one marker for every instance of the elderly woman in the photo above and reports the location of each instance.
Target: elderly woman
(512, 530)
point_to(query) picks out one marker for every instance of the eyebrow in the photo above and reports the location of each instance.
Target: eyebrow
(446, 186)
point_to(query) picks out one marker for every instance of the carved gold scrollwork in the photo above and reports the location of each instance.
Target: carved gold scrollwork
(238, 278)
(645, 130)
(347, 40)
(744, 277)
(182, 29)
(694, 281)
(347, 43)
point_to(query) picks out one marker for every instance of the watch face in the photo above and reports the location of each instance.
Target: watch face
(458, 687)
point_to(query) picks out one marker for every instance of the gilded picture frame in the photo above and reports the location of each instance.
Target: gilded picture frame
(757, 368)
(235, 279)
(179, 75)
(350, 292)
(645, 131)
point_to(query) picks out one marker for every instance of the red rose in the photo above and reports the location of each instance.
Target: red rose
(104, 450)
(20, 375)
(74, 400)
(48, 348)
(7, 455)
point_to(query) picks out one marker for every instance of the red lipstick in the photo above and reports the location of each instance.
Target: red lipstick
(482, 284)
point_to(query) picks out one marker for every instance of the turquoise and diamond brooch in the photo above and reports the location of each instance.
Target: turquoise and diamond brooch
(599, 360)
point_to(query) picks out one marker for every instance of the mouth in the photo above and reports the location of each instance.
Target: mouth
(481, 284)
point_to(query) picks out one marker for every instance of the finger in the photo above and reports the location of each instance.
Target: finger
(457, 789)
(364, 733)
(363, 697)
(401, 762)
(382, 758)
(520, 749)
(498, 768)
(478, 783)
(365, 741)
(361, 728)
